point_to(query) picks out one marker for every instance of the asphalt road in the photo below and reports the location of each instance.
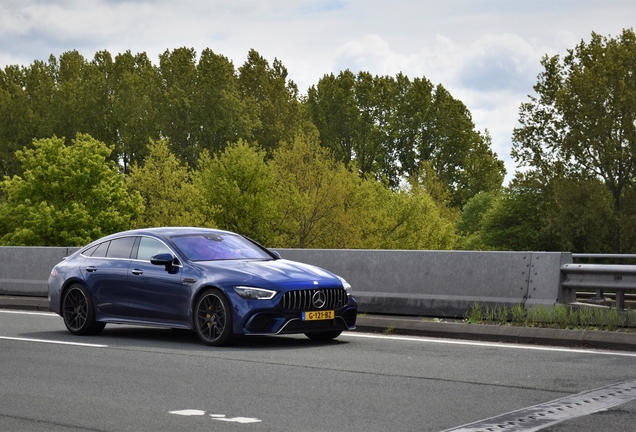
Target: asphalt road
(140, 378)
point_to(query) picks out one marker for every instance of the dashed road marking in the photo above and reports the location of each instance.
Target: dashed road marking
(243, 420)
(188, 412)
(219, 417)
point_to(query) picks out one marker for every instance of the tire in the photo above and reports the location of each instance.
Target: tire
(213, 318)
(78, 312)
(323, 336)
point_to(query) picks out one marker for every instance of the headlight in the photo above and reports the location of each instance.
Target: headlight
(252, 293)
(345, 285)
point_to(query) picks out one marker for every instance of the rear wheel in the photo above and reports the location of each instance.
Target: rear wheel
(323, 336)
(213, 319)
(78, 312)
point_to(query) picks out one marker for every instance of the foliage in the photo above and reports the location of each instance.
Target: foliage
(514, 222)
(578, 214)
(135, 107)
(361, 162)
(581, 125)
(391, 126)
(469, 223)
(403, 219)
(67, 195)
(316, 197)
(242, 187)
(169, 197)
(273, 98)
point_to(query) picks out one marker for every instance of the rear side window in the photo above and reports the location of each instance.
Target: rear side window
(101, 250)
(121, 247)
(90, 251)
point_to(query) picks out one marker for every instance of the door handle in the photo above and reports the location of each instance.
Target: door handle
(137, 272)
(91, 269)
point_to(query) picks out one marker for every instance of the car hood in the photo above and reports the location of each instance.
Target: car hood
(280, 272)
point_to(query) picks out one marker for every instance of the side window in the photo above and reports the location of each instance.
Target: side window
(149, 247)
(121, 247)
(100, 252)
(89, 251)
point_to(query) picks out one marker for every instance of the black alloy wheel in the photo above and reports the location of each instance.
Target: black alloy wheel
(323, 336)
(78, 312)
(213, 319)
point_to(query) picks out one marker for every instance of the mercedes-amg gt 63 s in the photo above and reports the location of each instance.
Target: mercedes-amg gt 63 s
(217, 283)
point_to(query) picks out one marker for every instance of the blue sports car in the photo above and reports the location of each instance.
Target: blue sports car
(217, 283)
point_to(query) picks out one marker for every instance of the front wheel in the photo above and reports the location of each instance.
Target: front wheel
(323, 336)
(213, 319)
(78, 312)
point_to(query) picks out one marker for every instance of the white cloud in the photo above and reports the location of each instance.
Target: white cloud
(491, 75)
(371, 53)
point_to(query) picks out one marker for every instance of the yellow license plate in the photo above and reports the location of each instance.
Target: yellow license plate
(318, 315)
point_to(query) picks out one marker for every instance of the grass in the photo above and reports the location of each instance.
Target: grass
(389, 330)
(559, 316)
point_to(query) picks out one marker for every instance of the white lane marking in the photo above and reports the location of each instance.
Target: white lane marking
(53, 342)
(235, 419)
(188, 412)
(220, 417)
(29, 313)
(488, 344)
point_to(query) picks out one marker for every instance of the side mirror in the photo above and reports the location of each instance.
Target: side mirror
(164, 259)
(276, 254)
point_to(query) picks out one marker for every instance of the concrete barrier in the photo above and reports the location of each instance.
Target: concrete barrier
(25, 270)
(433, 283)
(443, 283)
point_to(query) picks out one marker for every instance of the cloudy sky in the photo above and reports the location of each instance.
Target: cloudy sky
(485, 52)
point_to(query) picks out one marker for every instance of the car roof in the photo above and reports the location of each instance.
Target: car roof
(164, 232)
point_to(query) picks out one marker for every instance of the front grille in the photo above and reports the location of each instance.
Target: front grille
(302, 299)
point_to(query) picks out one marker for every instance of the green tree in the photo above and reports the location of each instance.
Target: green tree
(402, 219)
(581, 123)
(516, 220)
(16, 118)
(392, 126)
(353, 114)
(178, 122)
(241, 186)
(135, 107)
(315, 194)
(272, 99)
(68, 195)
(577, 212)
(433, 126)
(169, 196)
(221, 110)
(469, 223)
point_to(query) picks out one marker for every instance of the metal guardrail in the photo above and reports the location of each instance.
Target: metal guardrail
(615, 277)
(608, 256)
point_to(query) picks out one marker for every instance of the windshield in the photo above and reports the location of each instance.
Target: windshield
(213, 247)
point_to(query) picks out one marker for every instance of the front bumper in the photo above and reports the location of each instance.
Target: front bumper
(272, 322)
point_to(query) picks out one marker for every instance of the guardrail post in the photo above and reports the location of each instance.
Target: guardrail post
(620, 299)
(599, 297)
